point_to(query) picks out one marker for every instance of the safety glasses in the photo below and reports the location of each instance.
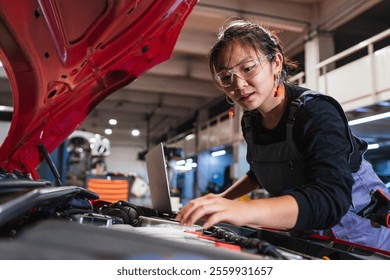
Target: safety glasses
(245, 70)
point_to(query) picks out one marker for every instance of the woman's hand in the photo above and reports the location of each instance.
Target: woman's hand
(276, 212)
(213, 209)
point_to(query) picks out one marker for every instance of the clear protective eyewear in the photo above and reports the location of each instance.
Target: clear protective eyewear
(245, 70)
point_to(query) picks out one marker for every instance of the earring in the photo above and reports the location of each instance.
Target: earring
(277, 81)
(231, 110)
(277, 91)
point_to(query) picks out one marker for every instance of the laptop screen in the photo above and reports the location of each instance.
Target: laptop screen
(158, 179)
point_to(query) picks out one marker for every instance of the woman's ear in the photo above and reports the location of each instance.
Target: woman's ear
(278, 63)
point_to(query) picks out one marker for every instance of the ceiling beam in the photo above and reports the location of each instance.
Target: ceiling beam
(333, 14)
(172, 85)
(162, 98)
(291, 16)
(129, 109)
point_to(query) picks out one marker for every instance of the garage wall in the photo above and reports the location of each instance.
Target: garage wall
(124, 160)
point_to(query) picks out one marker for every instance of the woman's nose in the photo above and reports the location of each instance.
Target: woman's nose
(239, 83)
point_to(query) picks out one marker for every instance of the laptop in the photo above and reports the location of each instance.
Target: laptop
(158, 180)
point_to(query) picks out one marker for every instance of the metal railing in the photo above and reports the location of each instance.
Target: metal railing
(366, 44)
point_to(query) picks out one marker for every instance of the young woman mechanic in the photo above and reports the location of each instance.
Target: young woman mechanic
(299, 148)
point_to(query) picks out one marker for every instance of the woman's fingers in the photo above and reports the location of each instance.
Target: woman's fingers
(213, 219)
(212, 209)
(191, 213)
(202, 212)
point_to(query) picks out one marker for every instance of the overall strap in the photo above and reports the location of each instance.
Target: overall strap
(298, 102)
(308, 95)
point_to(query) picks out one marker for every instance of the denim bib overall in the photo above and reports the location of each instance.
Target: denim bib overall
(279, 166)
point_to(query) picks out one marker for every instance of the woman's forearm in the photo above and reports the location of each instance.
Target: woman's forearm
(243, 186)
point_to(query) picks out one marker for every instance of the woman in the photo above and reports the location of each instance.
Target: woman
(300, 149)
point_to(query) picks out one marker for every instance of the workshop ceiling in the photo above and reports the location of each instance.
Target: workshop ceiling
(173, 93)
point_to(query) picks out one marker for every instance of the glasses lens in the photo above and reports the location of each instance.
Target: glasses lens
(245, 71)
(248, 69)
(225, 78)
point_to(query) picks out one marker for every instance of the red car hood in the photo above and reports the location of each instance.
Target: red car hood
(64, 57)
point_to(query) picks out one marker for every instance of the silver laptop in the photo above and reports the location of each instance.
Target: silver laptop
(158, 179)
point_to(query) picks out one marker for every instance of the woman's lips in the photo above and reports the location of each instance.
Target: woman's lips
(244, 97)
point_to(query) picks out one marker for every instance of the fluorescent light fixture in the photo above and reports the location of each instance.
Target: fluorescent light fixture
(218, 153)
(369, 119)
(363, 110)
(185, 165)
(372, 146)
(190, 136)
(135, 132)
(112, 121)
(182, 167)
(384, 103)
(108, 131)
(6, 108)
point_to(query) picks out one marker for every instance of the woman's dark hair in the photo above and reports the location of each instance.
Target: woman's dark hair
(252, 35)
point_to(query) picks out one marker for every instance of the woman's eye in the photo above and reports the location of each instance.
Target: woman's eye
(247, 68)
(226, 77)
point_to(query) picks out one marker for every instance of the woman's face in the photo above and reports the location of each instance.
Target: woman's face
(249, 80)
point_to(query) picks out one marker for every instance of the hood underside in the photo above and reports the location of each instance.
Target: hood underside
(63, 57)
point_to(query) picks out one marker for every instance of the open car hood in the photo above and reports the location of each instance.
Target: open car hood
(63, 57)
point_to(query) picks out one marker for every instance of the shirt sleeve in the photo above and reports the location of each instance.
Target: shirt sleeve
(251, 175)
(320, 135)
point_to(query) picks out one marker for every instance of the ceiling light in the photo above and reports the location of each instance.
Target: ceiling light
(6, 108)
(190, 136)
(363, 110)
(384, 103)
(182, 168)
(181, 162)
(372, 146)
(108, 131)
(369, 119)
(112, 121)
(218, 153)
(135, 132)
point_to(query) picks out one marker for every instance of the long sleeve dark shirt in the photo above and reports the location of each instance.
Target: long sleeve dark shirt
(321, 136)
